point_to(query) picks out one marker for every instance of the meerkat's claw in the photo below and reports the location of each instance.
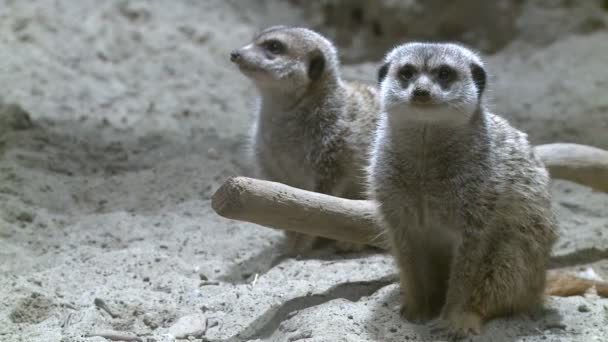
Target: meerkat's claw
(438, 326)
(443, 327)
(459, 326)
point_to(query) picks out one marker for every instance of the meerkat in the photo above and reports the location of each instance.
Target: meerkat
(464, 199)
(313, 130)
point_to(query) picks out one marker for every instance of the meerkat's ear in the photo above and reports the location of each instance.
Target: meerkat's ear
(383, 71)
(479, 77)
(316, 66)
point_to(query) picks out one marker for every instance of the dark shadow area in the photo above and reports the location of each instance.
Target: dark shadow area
(268, 322)
(373, 24)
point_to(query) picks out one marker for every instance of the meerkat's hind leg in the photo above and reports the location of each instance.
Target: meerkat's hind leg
(511, 279)
(456, 319)
(411, 297)
(508, 279)
(424, 273)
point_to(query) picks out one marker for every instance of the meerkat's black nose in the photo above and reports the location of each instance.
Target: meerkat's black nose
(235, 56)
(421, 94)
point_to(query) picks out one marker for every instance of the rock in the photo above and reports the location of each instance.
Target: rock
(582, 236)
(365, 29)
(191, 325)
(13, 118)
(33, 309)
(25, 216)
(213, 154)
(550, 94)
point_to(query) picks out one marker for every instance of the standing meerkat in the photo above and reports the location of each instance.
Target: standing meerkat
(313, 130)
(465, 201)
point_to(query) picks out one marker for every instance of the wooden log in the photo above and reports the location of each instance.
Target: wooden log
(562, 284)
(280, 206)
(581, 164)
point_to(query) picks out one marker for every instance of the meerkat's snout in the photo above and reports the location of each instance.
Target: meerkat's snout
(278, 59)
(420, 89)
(245, 58)
(426, 86)
(235, 56)
(420, 96)
(263, 68)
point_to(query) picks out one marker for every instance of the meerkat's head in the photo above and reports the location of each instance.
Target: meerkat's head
(431, 82)
(287, 58)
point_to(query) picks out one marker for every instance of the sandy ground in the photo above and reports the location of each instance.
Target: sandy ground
(119, 119)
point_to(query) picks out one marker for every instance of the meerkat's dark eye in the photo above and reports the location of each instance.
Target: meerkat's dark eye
(407, 72)
(445, 73)
(274, 46)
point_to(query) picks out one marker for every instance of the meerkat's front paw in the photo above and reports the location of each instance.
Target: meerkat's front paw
(457, 325)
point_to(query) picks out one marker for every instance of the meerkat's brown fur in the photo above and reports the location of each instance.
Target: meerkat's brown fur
(313, 130)
(464, 198)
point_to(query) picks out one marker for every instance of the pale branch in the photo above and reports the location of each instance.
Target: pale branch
(561, 284)
(577, 163)
(280, 206)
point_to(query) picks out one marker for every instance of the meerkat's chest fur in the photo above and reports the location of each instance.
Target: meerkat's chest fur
(297, 146)
(435, 179)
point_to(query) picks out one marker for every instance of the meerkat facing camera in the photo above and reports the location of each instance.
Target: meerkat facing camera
(465, 200)
(313, 130)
